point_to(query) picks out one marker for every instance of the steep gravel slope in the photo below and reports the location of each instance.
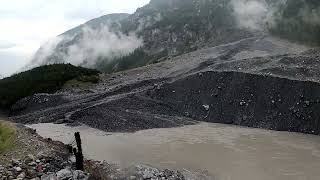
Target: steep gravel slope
(257, 82)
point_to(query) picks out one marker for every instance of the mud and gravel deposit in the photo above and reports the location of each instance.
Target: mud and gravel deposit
(257, 82)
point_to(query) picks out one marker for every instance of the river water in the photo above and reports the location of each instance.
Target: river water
(225, 152)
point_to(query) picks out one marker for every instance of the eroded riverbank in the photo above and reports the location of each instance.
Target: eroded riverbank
(225, 152)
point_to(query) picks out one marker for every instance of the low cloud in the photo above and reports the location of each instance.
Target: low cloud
(44, 54)
(250, 14)
(6, 45)
(256, 14)
(310, 15)
(101, 43)
(89, 46)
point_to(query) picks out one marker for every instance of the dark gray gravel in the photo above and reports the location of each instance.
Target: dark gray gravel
(257, 82)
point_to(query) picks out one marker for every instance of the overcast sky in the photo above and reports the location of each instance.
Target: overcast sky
(26, 24)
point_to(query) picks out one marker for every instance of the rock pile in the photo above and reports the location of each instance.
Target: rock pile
(105, 170)
(41, 167)
(146, 173)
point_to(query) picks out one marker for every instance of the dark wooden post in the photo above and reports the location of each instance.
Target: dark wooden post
(78, 140)
(78, 153)
(70, 148)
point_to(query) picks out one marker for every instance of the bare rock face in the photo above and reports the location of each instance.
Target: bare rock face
(177, 26)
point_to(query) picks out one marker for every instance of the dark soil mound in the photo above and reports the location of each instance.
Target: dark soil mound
(246, 99)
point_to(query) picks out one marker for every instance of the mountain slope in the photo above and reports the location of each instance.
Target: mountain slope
(97, 23)
(161, 29)
(180, 26)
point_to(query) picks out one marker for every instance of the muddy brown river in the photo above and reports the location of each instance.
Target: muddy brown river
(225, 152)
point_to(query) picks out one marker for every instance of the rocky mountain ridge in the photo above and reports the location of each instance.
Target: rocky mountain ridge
(163, 29)
(167, 28)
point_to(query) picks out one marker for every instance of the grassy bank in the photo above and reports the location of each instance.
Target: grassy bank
(7, 134)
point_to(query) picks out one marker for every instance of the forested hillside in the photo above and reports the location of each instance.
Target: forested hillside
(44, 79)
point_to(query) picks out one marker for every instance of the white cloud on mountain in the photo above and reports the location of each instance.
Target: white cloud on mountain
(30, 23)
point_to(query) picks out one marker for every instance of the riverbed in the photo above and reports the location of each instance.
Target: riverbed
(225, 152)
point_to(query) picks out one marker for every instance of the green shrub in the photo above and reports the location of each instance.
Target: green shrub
(135, 59)
(89, 79)
(6, 137)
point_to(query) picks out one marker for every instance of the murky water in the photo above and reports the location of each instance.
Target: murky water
(226, 152)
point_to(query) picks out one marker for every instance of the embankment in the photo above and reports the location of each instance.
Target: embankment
(246, 100)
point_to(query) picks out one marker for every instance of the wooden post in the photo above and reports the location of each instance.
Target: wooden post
(69, 148)
(78, 152)
(78, 140)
